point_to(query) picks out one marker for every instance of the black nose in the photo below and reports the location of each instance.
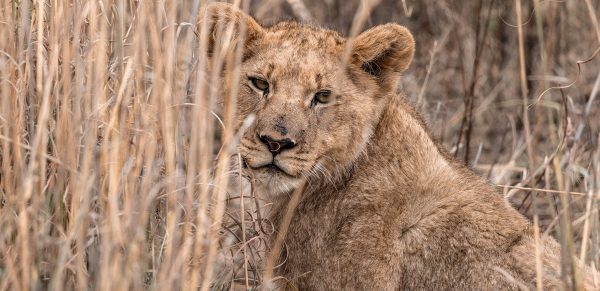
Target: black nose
(277, 145)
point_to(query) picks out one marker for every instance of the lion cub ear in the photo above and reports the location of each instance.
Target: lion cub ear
(226, 25)
(384, 51)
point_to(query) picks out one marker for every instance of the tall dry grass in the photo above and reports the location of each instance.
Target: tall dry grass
(115, 146)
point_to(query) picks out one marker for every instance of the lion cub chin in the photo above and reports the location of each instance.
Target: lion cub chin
(384, 207)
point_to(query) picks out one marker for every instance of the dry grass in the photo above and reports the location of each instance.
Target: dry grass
(112, 174)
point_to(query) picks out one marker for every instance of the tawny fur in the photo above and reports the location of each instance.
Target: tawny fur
(385, 207)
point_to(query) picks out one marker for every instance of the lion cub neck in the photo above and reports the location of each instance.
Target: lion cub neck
(402, 149)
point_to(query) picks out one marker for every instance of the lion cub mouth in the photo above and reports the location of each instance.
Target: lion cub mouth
(270, 168)
(273, 168)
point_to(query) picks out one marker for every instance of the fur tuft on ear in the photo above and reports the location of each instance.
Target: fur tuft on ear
(222, 18)
(384, 51)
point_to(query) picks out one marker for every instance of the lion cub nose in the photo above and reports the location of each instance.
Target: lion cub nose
(277, 145)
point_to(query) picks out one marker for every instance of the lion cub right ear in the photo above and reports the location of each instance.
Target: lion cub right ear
(226, 26)
(384, 52)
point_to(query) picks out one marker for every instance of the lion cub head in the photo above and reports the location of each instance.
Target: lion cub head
(316, 96)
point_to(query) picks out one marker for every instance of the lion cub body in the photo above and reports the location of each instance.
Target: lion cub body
(384, 207)
(410, 218)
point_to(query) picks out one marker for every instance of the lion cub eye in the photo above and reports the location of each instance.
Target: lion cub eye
(323, 97)
(259, 84)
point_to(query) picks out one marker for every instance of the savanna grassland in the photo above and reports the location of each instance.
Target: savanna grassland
(115, 146)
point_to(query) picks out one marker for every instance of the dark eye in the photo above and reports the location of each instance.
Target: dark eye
(323, 97)
(259, 84)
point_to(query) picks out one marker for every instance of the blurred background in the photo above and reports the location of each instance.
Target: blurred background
(109, 141)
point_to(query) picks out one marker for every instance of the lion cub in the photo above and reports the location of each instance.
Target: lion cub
(384, 206)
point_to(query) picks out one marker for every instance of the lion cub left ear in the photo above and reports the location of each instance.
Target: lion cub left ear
(384, 51)
(221, 18)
